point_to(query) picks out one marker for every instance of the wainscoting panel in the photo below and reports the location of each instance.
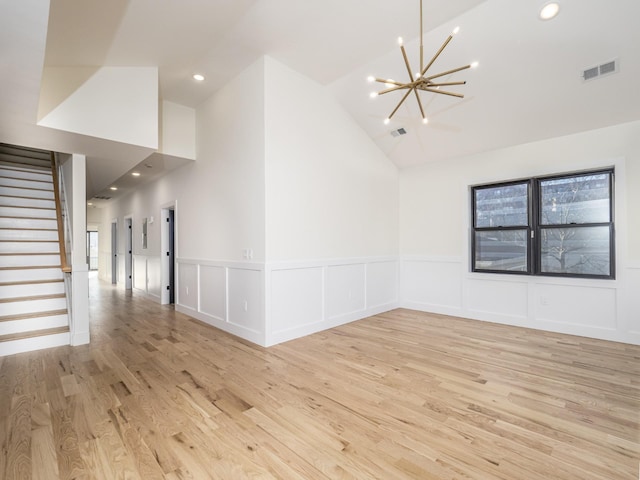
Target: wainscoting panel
(577, 305)
(153, 276)
(213, 291)
(609, 310)
(245, 299)
(433, 285)
(507, 299)
(296, 298)
(382, 283)
(227, 295)
(631, 296)
(307, 297)
(140, 273)
(344, 290)
(187, 285)
(146, 275)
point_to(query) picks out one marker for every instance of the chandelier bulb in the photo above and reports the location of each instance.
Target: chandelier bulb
(386, 121)
(373, 94)
(455, 31)
(474, 65)
(371, 79)
(400, 41)
(425, 120)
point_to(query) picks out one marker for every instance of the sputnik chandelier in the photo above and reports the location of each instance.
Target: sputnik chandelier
(421, 82)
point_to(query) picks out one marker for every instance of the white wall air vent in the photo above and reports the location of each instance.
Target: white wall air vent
(102, 197)
(398, 132)
(601, 70)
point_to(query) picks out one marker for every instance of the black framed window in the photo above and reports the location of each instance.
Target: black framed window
(558, 225)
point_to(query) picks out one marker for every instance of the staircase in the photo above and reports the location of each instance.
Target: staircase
(33, 305)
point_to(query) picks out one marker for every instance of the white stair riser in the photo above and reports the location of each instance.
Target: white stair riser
(32, 306)
(26, 202)
(25, 174)
(26, 290)
(29, 260)
(31, 324)
(27, 223)
(53, 273)
(21, 192)
(29, 247)
(6, 211)
(35, 343)
(9, 181)
(50, 235)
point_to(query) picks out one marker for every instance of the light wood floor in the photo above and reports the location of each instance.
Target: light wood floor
(402, 395)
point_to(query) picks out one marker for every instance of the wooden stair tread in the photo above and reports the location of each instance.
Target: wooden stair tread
(22, 228)
(26, 316)
(29, 267)
(24, 240)
(26, 198)
(25, 218)
(19, 254)
(26, 179)
(32, 297)
(28, 188)
(31, 282)
(33, 333)
(26, 206)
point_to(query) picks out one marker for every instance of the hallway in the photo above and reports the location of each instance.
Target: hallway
(397, 396)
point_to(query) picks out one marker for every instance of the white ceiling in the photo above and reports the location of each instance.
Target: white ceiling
(527, 88)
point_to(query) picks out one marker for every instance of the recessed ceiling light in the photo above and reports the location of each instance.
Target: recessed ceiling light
(89, 203)
(113, 188)
(198, 77)
(549, 11)
(135, 174)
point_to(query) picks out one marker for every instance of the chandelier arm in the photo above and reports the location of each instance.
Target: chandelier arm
(443, 92)
(394, 89)
(444, 45)
(454, 70)
(388, 82)
(406, 62)
(400, 103)
(415, 90)
(446, 84)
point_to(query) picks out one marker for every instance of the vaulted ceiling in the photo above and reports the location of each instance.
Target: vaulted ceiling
(527, 87)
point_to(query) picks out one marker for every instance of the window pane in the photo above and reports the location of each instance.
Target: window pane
(580, 199)
(502, 206)
(501, 250)
(576, 250)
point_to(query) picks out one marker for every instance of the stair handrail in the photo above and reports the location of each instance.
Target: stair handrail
(56, 194)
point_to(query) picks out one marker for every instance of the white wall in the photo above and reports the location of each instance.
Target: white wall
(273, 195)
(115, 103)
(177, 130)
(331, 212)
(435, 237)
(331, 192)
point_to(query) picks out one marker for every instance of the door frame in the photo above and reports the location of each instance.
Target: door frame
(167, 267)
(128, 252)
(114, 251)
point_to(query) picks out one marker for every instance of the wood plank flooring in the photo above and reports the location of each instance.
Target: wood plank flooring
(402, 395)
